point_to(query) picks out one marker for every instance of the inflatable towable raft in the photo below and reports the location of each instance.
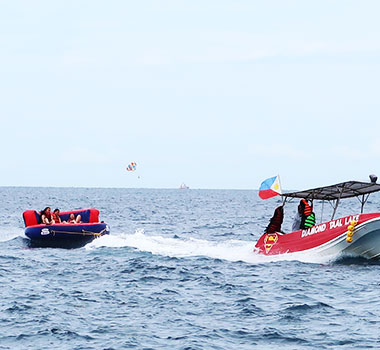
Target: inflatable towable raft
(355, 235)
(64, 235)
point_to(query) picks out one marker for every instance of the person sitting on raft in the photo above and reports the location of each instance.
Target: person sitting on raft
(46, 217)
(55, 217)
(74, 219)
(306, 214)
(276, 221)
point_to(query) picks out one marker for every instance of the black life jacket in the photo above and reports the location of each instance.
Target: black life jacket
(276, 221)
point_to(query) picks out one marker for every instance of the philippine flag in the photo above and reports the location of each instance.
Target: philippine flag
(270, 188)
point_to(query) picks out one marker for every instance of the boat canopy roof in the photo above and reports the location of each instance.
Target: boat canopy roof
(342, 190)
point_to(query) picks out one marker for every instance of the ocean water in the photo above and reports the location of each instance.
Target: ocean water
(178, 272)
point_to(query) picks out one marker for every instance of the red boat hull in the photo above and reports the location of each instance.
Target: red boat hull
(328, 237)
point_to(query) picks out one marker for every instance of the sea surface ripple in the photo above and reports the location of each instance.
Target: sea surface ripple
(178, 272)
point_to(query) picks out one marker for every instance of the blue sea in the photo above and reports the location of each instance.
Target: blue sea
(178, 271)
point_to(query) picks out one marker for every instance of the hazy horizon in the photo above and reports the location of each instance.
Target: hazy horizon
(216, 94)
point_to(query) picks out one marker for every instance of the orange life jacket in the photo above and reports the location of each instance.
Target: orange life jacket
(307, 210)
(56, 218)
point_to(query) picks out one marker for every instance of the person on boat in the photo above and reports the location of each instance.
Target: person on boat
(55, 217)
(305, 211)
(46, 216)
(276, 221)
(297, 219)
(74, 219)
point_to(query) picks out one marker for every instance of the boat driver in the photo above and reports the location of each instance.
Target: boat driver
(305, 217)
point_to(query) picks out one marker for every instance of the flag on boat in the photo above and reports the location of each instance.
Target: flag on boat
(270, 188)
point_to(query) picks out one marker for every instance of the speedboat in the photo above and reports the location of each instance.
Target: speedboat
(64, 235)
(356, 235)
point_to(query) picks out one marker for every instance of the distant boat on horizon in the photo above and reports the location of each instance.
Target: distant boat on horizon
(183, 186)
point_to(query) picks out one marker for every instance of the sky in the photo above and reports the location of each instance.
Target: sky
(213, 93)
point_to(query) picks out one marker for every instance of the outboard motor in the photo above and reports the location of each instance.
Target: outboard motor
(373, 178)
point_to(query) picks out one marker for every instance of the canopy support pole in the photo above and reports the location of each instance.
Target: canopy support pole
(335, 208)
(323, 203)
(337, 201)
(363, 202)
(361, 211)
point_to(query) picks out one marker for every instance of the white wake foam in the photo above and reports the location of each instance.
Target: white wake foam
(11, 233)
(231, 250)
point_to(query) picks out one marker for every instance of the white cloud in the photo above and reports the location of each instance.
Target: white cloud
(366, 151)
(375, 147)
(81, 155)
(76, 58)
(278, 150)
(243, 47)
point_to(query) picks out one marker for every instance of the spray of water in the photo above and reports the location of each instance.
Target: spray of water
(7, 234)
(231, 250)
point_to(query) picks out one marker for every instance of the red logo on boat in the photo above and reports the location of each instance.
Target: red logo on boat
(269, 240)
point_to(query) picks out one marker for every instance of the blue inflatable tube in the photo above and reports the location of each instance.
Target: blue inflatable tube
(64, 235)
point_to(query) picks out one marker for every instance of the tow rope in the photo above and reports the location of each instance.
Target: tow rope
(83, 233)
